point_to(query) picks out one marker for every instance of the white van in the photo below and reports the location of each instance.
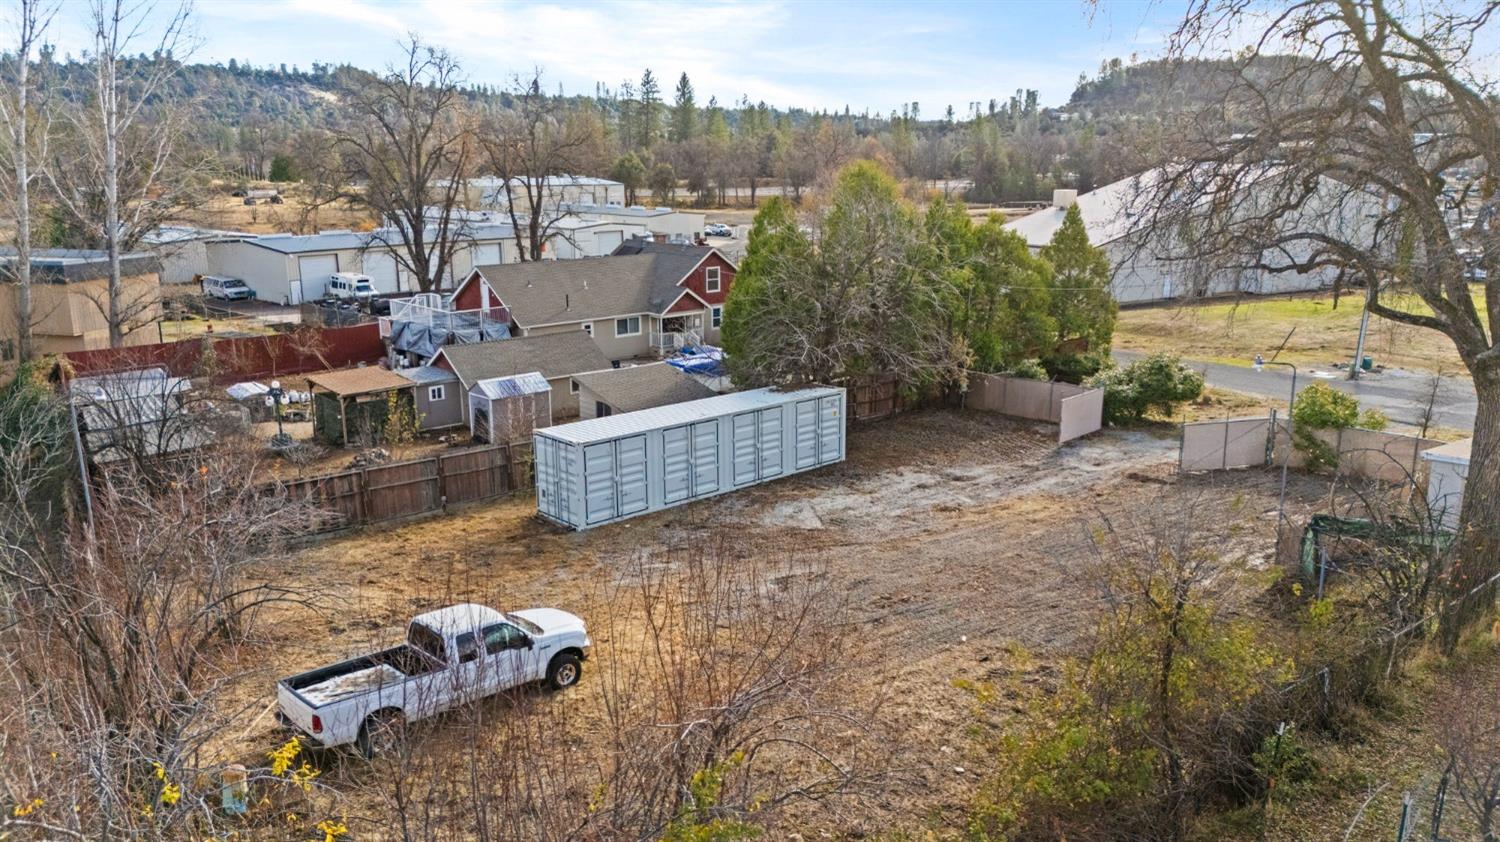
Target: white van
(349, 286)
(228, 289)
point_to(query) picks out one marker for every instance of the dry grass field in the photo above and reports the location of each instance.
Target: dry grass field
(953, 538)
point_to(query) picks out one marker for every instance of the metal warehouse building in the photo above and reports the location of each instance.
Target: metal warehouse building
(607, 469)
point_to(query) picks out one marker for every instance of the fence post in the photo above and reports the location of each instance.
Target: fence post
(1051, 397)
(1224, 451)
(442, 485)
(1181, 446)
(1271, 440)
(364, 497)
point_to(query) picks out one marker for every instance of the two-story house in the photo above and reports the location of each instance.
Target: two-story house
(648, 299)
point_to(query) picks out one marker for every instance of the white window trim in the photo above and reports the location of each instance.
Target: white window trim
(626, 319)
(711, 279)
(588, 327)
(436, 393)
(716, 316)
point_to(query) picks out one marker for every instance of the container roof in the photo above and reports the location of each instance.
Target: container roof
(631, 423)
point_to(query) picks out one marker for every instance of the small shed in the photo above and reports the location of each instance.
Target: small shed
(352, 402)
(633, 388)
(437, 395)
(509, 409)
(1447, 471)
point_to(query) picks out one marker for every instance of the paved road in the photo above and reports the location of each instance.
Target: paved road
(1401, 395)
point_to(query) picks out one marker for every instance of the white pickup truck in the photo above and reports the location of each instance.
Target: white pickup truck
(451, 656)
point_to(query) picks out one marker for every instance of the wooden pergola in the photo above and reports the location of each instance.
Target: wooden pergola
(354, 385)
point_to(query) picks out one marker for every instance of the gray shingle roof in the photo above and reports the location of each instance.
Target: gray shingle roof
(544, 292)
(643, 386)
(554, 355)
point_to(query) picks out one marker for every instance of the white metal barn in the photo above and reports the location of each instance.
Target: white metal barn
(607, 469)
(1447, 471)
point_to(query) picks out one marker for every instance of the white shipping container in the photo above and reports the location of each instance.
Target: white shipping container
(607, 469)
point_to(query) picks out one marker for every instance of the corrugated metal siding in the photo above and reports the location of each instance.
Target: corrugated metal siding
(695, 450)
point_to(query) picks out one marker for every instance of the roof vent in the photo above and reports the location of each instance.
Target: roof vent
(567, 301)
(1064, 198)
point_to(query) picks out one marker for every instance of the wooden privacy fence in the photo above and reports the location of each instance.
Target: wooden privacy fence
(403, 489)
(873, 396)
(1255, 442)
(1077, 411)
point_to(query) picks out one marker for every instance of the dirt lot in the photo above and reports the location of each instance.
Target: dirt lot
(955, 536)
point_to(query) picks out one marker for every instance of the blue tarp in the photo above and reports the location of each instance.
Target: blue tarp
(705, 360)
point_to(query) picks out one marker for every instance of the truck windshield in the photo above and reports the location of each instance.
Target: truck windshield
(427, 640)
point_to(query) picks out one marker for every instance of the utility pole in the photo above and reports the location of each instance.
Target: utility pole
(1359, 347)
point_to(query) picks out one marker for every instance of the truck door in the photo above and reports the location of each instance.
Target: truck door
(464, 681)
(508, 661)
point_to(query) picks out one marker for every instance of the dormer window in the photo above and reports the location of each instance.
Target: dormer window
(711, 279)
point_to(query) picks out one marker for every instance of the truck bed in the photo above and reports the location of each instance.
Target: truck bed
(360, 675)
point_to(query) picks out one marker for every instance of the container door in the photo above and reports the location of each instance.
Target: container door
(807, 434)
(743, 434)
(599, 482)
(770, 443)
(677, 464)
(705, 458)
(830, 429)
(630, 472)
(546, 478)
(562, 488)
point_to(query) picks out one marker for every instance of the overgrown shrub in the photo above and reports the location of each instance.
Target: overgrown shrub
(1159, 382)
(1076, 368)
(1029, 369)
(1322, 407)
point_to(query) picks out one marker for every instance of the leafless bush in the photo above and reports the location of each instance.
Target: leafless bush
(1469, 733)
(707, 667)
(119, 627)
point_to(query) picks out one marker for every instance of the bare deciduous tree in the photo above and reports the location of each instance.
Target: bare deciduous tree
(1469, 729)
(119, 175)
(1349, 133)
(529, 147)
(406, 156)
(23, 141)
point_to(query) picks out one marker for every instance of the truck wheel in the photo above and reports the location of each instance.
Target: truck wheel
(382, 733)
(564, 671)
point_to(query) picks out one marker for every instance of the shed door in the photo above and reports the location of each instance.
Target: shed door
(677, 464)
(314, 271)
(807, 434)
(830, 429)
(770, 442)
(599, 482)
(743, 431)
(630, 465)
(705, 458)
(381, 267)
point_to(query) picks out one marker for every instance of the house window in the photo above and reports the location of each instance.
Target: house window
(436, 394)
(572, 387)
(629, 326)
(711, 279)
(716, 316)
(588, 327)
(602, 409)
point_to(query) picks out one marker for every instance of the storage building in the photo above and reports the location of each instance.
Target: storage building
(1447, 472)
(503, 410)
(607, 469)
(436, 396)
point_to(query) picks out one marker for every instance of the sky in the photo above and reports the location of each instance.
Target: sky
(802, 53)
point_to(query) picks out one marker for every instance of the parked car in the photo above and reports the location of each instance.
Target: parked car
(249, 200)
(348, 286)
(452, 656)
(227, 289)
(718, 229)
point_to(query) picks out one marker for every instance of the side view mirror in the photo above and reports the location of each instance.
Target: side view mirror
(530, 643)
